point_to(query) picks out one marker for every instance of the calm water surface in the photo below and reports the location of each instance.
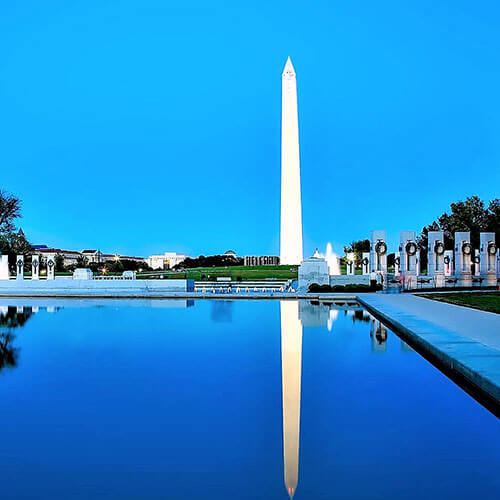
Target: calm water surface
(229, 400)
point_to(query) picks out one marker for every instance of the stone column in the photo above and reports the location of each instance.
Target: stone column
(4, 267)
(448, 262)
(51, 267)
(463, 256)
(350, 263)
(418, 269)
(488, 256)
(35, 267)
(408, 252)
(378, 252)
(476, 260)
(20, 267)
(397, 264)
(366, 263)
(435, 257)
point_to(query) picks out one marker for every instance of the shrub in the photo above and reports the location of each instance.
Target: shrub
(315, 288)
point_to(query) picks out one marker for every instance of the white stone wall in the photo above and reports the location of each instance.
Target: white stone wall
(65, 286)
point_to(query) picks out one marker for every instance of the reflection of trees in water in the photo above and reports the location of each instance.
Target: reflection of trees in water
(10, 319)
(360, 315)
(8, 353)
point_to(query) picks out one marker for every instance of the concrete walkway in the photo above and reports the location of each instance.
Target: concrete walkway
(466, 340)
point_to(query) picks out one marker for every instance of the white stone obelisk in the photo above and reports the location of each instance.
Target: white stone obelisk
(291, 205)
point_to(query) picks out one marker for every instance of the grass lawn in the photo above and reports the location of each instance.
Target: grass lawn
(486, 301)
(245, 272)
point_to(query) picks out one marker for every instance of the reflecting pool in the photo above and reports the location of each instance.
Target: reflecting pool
(214, 399)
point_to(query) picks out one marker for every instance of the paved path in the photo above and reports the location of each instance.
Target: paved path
(466, 340)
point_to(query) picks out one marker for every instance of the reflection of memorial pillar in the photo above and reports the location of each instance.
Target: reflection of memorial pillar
(35, 267)
(291, 370)
(378, 335)
(488, 263)
(4, 267)
(463, 256)
(349, 262)
(50, 268)
(366, 263)
(20, 267)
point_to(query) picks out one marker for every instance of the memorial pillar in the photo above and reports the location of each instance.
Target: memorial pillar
(463, 256)
(51, 265)
(488, 258)
(35, 267)
(448, 263)
(366, 263)
(378, 252)
(20, 267)
(408, 257)
(436, 257)
(350, 263)
(475, 264)
(4, 267)
(397, 264)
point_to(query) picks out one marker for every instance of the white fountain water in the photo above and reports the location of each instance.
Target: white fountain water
(333, 315)
(332, 260)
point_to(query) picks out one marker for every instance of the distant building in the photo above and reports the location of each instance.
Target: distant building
(70, 256)
(261, 260)
(231, 253)
(166, 260)
(99, 257)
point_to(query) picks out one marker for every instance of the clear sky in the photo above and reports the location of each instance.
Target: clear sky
(147, 126)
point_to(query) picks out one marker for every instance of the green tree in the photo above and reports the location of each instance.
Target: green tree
(358, 247)
(81, 261)
(59, 261)
(469, 215)
(12, 243)
(10, 209)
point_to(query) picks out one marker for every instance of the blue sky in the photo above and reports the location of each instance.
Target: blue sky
(147, 126)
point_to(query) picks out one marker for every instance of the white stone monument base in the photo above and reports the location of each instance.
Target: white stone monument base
(313, 270)
(439, 280)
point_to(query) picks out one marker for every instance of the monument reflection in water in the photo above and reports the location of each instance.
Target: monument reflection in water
(291, 370)
(294, 315)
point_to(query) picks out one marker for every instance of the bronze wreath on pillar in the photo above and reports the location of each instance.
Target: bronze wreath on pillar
(447, 259)
(439, 248)
(492, 248)
(380, 248)
(411, 248)
(466, 248)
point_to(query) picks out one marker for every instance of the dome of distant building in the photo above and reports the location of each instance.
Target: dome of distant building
(230, 253)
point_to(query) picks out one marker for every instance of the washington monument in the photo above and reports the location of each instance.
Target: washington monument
(291, 205)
